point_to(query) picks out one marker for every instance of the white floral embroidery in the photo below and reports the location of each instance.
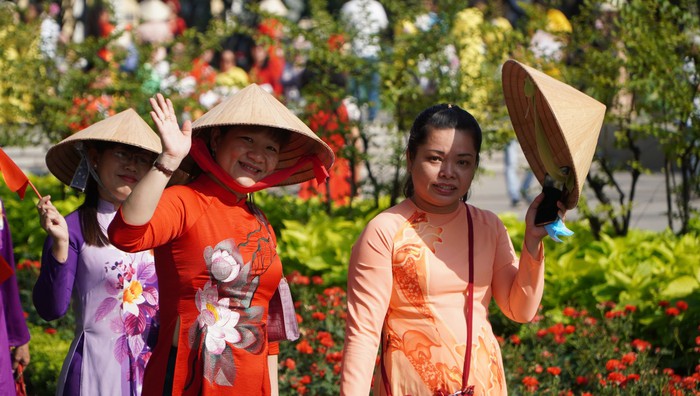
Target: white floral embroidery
(224, 266)
(218, 320)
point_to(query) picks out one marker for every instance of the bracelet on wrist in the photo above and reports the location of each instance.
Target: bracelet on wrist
(161, 168)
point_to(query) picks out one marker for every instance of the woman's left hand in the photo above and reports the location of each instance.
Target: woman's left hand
(534, 234)
(20, 355)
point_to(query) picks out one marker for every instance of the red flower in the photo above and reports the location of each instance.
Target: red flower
(629, 358)
(689, 383)
(697, 339)
(614, 365)
(664, 303)
(672, 311)
(531, 383)
(538, 369)
(541, 333)
(614, 314)
(556, 329)
(617, 378)
(630, 308)
(295, 278)
(305, 380)
(641, 345)
(668, 371)
(325, 338)
(316, 280)
(50, 330)
(555, 371)
(516, 340)
(570, 312)
(334, 357)
(682, 305)
(581, 380)
(304, 347)
(318, 315)
(290, 364)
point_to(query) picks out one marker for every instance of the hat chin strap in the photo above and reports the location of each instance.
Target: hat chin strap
(200, 154)
(80, 177)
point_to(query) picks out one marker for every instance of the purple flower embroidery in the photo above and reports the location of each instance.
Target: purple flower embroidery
(133, 287)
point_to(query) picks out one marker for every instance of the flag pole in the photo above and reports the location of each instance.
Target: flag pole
(34, 188)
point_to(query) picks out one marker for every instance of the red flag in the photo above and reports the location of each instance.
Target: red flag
(15, 179)
(5, 270)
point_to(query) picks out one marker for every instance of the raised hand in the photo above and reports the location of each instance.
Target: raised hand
(176, 142)
(55, 226)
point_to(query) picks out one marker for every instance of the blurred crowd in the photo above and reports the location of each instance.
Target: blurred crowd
(261, 53)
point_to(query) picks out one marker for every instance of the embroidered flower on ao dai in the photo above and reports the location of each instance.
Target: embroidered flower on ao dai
(218, 320)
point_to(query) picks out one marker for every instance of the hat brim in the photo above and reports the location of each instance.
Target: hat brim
(256, 107)
(126, 127)
(570, 120)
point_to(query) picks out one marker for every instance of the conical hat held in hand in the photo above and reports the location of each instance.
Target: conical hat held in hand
(557, 125)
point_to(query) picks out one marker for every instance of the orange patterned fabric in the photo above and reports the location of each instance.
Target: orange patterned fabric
(217, 270)
(407, 286)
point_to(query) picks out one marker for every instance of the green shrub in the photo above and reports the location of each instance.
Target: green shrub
(48, 348)
(312, 241)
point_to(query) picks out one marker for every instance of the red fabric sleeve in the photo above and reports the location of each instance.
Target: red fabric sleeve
(168, 222)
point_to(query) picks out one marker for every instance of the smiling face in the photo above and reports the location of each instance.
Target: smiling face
(247, 153)
(120, 167)
(442, 169)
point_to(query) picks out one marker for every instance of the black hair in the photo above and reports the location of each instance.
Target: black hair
(90, 227)
(441, 116)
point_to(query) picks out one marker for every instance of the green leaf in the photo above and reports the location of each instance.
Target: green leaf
(680, 287)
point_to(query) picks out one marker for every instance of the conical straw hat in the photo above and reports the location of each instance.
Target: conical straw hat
(126, 127)
(254, 106)
(571, 122)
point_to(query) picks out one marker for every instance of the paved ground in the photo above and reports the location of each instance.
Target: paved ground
(488, 192)
(649, 212)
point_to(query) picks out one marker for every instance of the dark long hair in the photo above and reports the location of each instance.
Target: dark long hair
(441, 116)
(92, 233)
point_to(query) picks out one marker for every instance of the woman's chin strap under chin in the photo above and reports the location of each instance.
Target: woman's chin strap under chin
(200, 154)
